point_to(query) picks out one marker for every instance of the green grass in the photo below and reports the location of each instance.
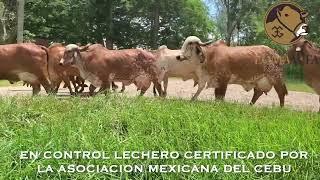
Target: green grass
(4, 83)
(296, 85)
(118, 123)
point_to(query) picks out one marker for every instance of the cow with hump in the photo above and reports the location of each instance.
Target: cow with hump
(193, 69)
(253, 67)
(307, 54)
(100, 66)
(27, 62)
(59, 73)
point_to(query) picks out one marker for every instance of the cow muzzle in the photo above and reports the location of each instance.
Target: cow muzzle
(61, 62)
(302, 30)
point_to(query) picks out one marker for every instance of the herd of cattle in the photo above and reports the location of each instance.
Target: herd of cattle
(210, 65)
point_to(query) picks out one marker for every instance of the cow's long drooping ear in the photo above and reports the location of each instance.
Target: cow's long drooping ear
(200, 53)
(198, 49)
(75, 53)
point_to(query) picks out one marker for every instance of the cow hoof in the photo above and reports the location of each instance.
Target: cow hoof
(73, 94)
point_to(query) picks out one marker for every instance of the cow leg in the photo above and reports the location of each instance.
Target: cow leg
(154, 91)
(56, 86)
(201, 86)
(220, 92)
(35, 89)
(47, 86)
(102, 89)
(73, 80)
(165, 85)
(282, 91)
(114, 86)
(66, 81)
(142, 92)
(92, 88)
(107, 88)
(257, 93)
(81, 83)
(123, 88)
(158, 88)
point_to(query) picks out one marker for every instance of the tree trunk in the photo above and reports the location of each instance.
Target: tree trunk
(229, 23)
(3, 22)
(109, 38)
(20, 16)
(4, 37)
(155, 26)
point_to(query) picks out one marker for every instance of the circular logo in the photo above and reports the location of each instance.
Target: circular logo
(285, 23)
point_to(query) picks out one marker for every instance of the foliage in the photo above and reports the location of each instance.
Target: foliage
(7, 21)
(125, 24)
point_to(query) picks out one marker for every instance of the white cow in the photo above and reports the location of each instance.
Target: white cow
(190, 67)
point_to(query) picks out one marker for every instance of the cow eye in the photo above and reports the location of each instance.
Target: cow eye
(286, 15)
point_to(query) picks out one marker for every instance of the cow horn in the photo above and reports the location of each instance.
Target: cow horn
(206, 43)
(85, 47)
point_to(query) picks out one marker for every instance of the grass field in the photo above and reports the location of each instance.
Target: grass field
(4, 83)
(295, 85)
(118, 123)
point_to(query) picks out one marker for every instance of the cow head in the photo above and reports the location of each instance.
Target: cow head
(72, 54)
(299, 51)
(292, 19)
(191, 49)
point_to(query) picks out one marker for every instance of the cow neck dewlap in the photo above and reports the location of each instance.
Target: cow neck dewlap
(84, 73)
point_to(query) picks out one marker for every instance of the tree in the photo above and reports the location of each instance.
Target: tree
(20, 19)
(125, 24)
(8, 21)
(231, 14)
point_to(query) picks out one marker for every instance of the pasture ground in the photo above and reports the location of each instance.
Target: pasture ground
(118, 123)
(292, 85)
(302, 101)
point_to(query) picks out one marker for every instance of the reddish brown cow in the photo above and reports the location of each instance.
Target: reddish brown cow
(60, 73)
(101, 66)
(308, 55)
(253, 67)
(26, 62)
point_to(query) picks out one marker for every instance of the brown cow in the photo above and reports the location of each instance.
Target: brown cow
(253, 67)
(26, 62)
(101, 66)
(60, 73)
(308, 55)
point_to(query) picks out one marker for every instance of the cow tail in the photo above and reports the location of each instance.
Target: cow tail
(47, 53)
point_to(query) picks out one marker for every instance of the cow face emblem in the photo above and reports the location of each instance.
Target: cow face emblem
(285, 23)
